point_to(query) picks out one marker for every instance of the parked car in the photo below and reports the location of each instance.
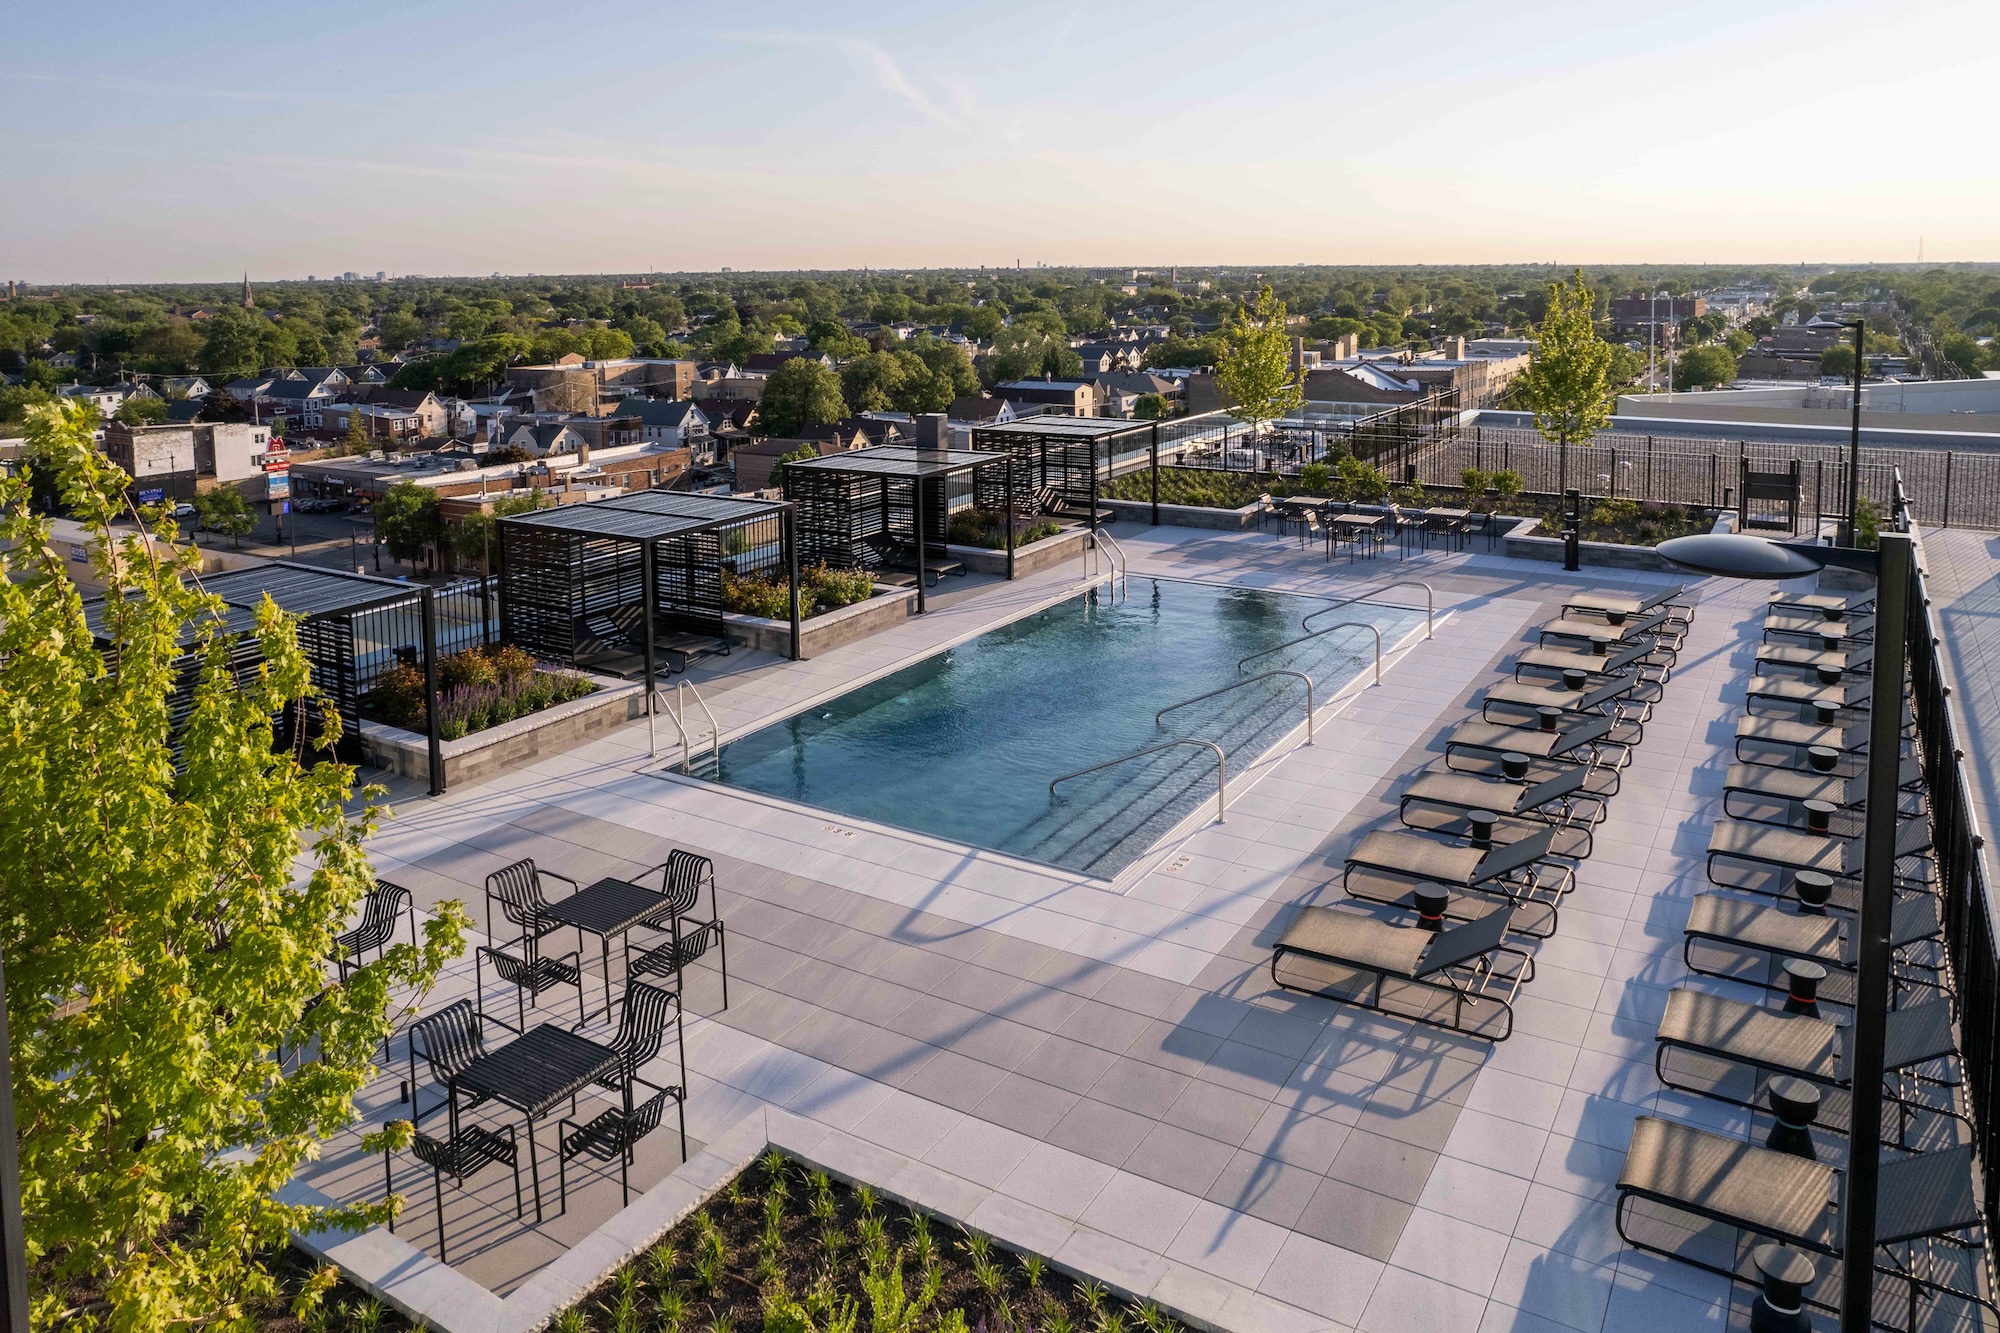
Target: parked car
(183, 510)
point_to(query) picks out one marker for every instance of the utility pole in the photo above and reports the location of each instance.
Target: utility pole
(1652, 331)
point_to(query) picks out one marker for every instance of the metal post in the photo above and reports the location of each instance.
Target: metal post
(1872, 948)
(14, 1264)
(1092, 451)
(431, 692)
(485, 580)
(1947, 487)
(1562, 465)
(1007, 472)
(917, 512)
(1854, 448)
(646, 558)
(1155, 453)
(791, 533)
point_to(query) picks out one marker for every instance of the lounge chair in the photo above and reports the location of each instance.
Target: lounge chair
(1807, 660)
(1822, 604)
(1771, 793)
(1479, 747)
(1806, 627)
(1388, 866)
(1617, 607)
(1439, 801)
(1654, 627)
(1053, 503)
(1716, 1047)
(1792, 697)
(1745, 941)
(1617, 698)
(1634, 658)
(1777, 1196)
(1761, 735)
(1762, 858)
(1452, 979)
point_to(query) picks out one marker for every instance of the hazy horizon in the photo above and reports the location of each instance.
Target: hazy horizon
(152, 146)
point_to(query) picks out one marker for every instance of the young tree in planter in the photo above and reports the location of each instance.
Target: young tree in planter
(1255, 366)
(1568, 383)
(163, 941)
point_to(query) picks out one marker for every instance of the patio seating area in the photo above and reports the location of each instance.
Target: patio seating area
(1335, 1064)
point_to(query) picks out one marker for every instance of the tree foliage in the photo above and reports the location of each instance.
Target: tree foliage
(1704, 368)
(142, 410)
(406, 519)
(1567, 383)
(1254, 369)
(163, 942)
(474, 536)
(798, 394)
(223, 509)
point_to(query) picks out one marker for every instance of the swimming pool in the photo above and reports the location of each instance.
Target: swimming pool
(963, 744)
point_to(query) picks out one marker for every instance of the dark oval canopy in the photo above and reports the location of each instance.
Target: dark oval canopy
(1738, 556)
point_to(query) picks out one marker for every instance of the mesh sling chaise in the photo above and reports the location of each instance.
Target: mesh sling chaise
(1615, 607)
(1477, 746)
(1728, 1050)
(1746, 941)
(1790, 696)
(1626, 659)
(1773, 793)
(1827, 605)
(1684, 1173)
(1806, 660)
(1805, 627)
(1787, 739)
(1388, 866)
(1441, 801)
(1655, 627)
(1761, 858)
(1618, 698)
(1463, 979)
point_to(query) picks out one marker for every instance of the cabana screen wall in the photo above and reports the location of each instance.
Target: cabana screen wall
(855, 507)
(567, 574)
(1075, 456)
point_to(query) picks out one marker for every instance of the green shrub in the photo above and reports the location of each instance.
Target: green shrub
(1361, 482)
(1035, 532)
(1315, 478)
(756, 597)
(398, 696)
(1506, 483)
(1475, 481)
(1610, 513)
(831, 589)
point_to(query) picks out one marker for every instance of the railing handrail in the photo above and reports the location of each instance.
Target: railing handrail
(652, 744)
(1297, 675)
(1430, 602)
(1376, 630)
(1221, 769)
(1121, 568)
(714, 727)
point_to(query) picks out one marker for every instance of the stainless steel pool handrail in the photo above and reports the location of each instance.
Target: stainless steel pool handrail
(714, 727)
(1430, 602)
(652, 740)
(1345, 624)
(1221, 769)
(1297, 675)
(1121, 568)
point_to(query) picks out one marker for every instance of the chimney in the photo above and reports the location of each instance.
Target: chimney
(1455, 348)
(932, 432)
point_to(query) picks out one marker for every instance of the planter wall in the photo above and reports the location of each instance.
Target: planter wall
(510, 745)
(1607, 555)
(1047, 553)
(1185, 516)
(823, 633)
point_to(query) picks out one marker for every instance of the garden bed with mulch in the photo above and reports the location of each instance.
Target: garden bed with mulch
(1628, 522)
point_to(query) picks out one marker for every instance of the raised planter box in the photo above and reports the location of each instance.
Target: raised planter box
(1608, 555)
(1186, 516)
(510, 745)
(823, 633)
(1045, 554)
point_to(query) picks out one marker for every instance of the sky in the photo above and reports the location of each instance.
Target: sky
(149, 142)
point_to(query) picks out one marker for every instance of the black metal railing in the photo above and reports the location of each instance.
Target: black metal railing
(1972, 938)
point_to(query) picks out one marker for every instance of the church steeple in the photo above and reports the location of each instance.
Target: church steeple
(248, 303)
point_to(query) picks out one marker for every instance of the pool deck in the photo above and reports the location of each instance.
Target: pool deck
(1102, 1069)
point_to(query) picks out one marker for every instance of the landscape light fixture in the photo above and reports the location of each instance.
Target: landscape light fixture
(1739, 556)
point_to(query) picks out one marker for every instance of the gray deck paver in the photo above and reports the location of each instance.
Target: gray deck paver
(891, 974)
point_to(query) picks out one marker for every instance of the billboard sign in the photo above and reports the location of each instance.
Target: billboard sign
(277, 485)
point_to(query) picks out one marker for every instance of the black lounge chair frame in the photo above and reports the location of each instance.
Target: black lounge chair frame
(1462, 966)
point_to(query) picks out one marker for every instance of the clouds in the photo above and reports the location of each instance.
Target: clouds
(950, 108)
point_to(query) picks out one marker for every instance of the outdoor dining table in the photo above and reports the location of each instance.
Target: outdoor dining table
(608, 907)
(535, 1073)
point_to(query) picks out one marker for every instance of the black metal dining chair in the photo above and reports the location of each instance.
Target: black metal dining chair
(452, 1039)
(379, 911)
(523, 902)
(530, 973)
(613, 1134)
(683, 875)
(462, 1156)
(642, 1031)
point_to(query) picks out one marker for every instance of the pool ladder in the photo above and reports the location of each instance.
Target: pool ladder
(676, 713)
(1121, 578)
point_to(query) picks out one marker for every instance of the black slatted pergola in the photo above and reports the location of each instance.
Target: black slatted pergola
(868, 507)
(1072, 457)
(352, 628)
(574, 580)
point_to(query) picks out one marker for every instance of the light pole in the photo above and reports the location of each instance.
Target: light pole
(1731, 555)
(1854, 444)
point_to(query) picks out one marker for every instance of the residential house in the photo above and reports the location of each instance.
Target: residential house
(673, 423)
(763, 363)
(106, 398)
(435, 421)
(379, 421)
(545, 439)
(1074, 397)
(184, 386)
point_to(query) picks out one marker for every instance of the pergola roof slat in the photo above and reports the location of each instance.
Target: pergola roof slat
(898, 461)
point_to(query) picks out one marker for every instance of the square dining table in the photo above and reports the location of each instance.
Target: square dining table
(608, 907)
(535, 1073)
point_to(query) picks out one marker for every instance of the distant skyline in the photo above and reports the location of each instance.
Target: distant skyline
(150, 144)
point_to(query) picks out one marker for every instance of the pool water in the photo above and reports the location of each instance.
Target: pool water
(963, 744)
